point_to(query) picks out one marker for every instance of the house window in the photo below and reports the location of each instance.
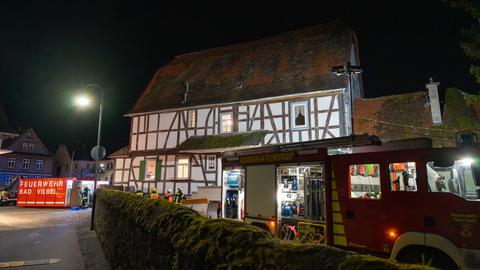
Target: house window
(11, 162)
(31, 147)
(182, 168)
(211, 163)
(25, 146)
(150, 169)
(26, 164)
(299, 112)
(227, 123)
(8, 179)
(365, 181)
(192, 119)
(39, 164)
(403, 176)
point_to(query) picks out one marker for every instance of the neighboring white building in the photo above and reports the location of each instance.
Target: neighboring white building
(274, 90)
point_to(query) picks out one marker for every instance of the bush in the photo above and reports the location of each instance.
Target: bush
(138, 233)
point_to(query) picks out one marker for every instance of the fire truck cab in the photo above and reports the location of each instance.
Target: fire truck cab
(415, 205)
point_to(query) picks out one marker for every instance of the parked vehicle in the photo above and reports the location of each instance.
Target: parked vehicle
(8, 196)
(416, 206)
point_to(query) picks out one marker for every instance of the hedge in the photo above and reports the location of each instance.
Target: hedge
(138, 233)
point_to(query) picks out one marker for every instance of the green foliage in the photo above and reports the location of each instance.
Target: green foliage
(139, 233)
(456, 108)
(471, 42)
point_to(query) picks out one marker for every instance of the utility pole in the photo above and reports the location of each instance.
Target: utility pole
(349, 70)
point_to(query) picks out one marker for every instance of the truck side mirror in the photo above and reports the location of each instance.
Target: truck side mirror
(443, 162)
(476, 172)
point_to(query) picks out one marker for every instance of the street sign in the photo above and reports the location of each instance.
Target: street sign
(102, 153)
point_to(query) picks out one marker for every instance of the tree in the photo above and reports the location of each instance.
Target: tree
(471, 43)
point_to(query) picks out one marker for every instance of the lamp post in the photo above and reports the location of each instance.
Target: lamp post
(348, 70)
(85, 101)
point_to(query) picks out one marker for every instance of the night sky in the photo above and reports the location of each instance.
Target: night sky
(48, 49)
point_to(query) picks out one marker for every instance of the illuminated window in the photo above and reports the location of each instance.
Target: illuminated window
(11, 162)
(403, 176)
(211, 163)
(365, 181)
(26, 164)
(182, 168)
(227, 123)
(192, 119)
(150, 169)
(299, 112)
(39, 164)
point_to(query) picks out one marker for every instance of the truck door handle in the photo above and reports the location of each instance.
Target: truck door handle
(430, 221)
(350, 214)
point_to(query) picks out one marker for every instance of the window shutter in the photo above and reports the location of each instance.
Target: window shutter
(142, 170)
(158, 169)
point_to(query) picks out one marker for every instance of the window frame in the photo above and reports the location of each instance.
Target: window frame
(222, 121)
(293, 105)
(8, 178)
(24, 146)
(349, 181)
(183, 165)
(390, 181)
(192, 119)
(26, 161)
(39, 164)
(12, 162)
(31, 147)
(209, 162)
(147, 161)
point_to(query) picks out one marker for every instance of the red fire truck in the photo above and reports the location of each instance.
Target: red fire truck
(415, 205)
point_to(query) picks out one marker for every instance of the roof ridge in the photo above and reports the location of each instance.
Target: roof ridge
(260, 40)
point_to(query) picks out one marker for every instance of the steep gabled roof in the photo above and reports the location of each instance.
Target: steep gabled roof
(123, 152)
(27, 134)
(289, 63)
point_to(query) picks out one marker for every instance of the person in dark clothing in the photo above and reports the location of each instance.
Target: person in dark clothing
(405, 177)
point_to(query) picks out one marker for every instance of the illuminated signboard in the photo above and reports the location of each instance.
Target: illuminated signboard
(269, 158)
(42, 192)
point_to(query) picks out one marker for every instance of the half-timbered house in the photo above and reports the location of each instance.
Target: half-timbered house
(274, 90)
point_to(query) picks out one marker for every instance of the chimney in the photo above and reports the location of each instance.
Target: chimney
(434, 101)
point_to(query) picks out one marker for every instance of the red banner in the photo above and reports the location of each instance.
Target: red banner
(42, 192)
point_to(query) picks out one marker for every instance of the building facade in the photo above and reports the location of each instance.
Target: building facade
(270, 91)
(78, 164)
(29, 158)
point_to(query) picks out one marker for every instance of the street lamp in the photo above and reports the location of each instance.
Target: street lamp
(84, 101)
(348, 70)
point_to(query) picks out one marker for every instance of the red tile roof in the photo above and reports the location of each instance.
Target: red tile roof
(289, 63)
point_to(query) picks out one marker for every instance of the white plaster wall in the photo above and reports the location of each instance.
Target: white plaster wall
(196, 173)
(183, 186)
(182, 137)
(242, 126)
(295, 137)
(136, 173)
(166, 120)
(141, 142)
(172, 140)
(324, 103)
(201, 117)
(322, 118)
(194, 186)
(136, 161)
(170, 173)
(133, 144)
(256, 125)
(242, 108)
(141, 124)
(125, 176)
(200, 132)
(152, 141)
(334, 119)
(278, 124)
(127, 163)
(119, 163)
(267, 125)
(118, 177)
(276, 108)
(162, 136)
(153, 122)
(304, 135)
(134, 124)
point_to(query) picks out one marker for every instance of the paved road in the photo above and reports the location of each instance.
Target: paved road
(39, 233)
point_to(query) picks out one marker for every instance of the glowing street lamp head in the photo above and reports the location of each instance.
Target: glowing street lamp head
(82, 101)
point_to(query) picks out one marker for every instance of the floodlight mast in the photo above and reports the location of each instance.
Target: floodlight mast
(348, 70)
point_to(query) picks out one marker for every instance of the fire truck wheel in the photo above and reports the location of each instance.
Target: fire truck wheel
(426, 256)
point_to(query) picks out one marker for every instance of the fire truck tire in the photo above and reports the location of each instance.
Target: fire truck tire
(426, 256)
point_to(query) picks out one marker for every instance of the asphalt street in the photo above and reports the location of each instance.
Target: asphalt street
(37, 235)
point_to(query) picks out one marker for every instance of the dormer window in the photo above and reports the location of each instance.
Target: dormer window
(227, 122)
(299, 112)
